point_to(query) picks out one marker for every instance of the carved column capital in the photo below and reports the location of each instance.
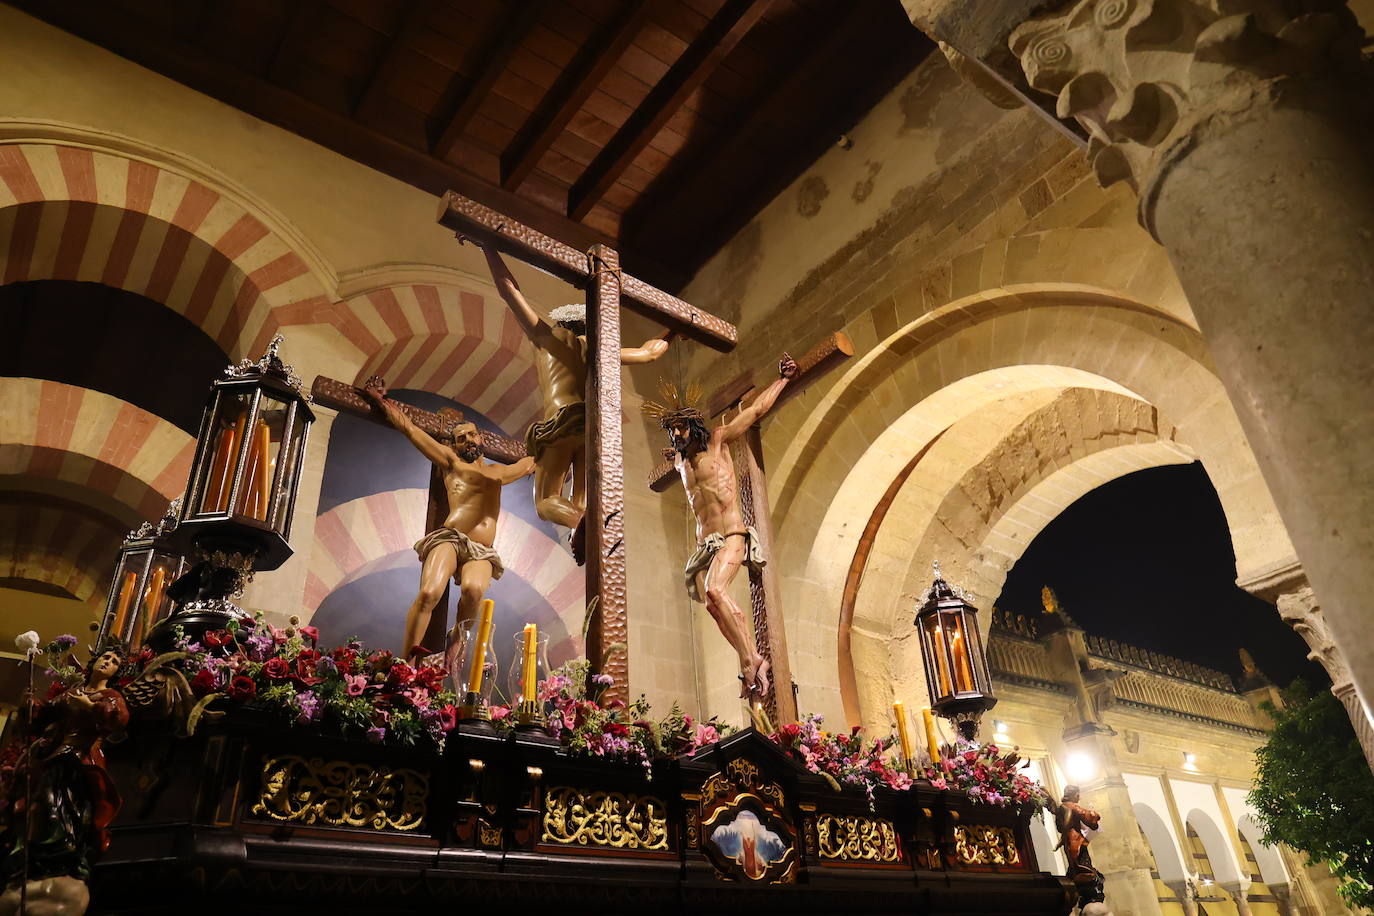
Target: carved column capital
(1301, 611)
(1145, 76)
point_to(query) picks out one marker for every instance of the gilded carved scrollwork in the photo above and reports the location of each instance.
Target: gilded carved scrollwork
(610, 819)
(976, 844)
(740, 775)
(341, 794)
(856, 839)
(1143, 75)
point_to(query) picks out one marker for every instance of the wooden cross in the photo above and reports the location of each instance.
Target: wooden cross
(764, 592)
(608, 288)
(345, 398)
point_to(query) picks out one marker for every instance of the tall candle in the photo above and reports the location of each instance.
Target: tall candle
(932, 742)
(902, 734)
(941, 661)
(126, 597)
(527, 686)
(263, 479)
(479, 648)
(963, 674)
(218, 482)
(152, 598)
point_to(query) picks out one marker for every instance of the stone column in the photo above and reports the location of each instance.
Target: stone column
(1245, 128)
(1284, 899)
(1238, 894)
(1301, 611)
(1185, 896)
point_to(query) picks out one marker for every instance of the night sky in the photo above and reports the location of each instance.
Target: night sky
(1147, 560)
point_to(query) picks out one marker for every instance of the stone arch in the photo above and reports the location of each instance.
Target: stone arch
(166, 232)
(837, 459)
(73, 552)
(1267, 858)
(1218, 848)
(88, 439)
(448, 340)
(377, 532)
(1168, 858)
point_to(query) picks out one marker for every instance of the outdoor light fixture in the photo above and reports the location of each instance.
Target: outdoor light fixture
(1080, 766)
(952, 652)
(236, 517)
(147, 565)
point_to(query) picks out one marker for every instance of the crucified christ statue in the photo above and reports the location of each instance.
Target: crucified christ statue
(724, 543)
(461, 548)
(558, 443)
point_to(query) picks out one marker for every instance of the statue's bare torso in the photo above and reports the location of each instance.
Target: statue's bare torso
(709, 479)
(474, 498)
(561, 366)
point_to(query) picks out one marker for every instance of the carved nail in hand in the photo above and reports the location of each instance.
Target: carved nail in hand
(375, 388)
(787, 367)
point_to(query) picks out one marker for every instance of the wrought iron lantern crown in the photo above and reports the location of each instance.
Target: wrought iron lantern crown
(952, 651)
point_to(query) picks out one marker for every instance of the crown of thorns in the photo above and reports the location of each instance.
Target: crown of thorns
(572, 312)
(678, 405)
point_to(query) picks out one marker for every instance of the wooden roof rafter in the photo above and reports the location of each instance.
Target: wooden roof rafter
(703, 55)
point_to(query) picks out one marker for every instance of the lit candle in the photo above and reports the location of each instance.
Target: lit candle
(527, 686)
(263, 476)
(963, 674)
(479, 648)
(126, 597)
(152, 599)
(932, 742)
(902, 734)
(941, 659)
(218, 482)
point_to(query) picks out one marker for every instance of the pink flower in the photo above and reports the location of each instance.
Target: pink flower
(418, 696)
(355, 684)
(499, 713)
(939, 784)
(706, 734)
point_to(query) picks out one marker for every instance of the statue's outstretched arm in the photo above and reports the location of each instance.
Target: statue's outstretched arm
(534, 326)
(747, 417)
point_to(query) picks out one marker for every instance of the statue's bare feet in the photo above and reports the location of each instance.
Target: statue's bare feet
(577, 540)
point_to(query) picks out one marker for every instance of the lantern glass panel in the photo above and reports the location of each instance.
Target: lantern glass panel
(288, 469)
(935, 639)
(254, 498)
(155, 603)
(124, 606)
(228, 427)
(959, 649)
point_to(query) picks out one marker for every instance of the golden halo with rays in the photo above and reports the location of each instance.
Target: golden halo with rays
(676, 404)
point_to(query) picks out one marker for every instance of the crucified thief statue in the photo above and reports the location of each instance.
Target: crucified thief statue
(462, 547)
(558, 443)
(724, 543)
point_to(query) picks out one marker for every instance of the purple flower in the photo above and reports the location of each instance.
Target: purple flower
(605, 680)
(65, 641)
(259, 644)
(325, 665)
(308, 706)
(376, 734)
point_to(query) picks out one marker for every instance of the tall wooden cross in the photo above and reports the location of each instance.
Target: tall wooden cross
(608, 288)
(764, 593)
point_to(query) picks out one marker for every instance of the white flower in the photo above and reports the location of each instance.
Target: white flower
(27, 643)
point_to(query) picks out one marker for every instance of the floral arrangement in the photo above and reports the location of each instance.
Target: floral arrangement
(371, 695)
(613, 730)
(850, 759)
(844, 759)
(986, 774)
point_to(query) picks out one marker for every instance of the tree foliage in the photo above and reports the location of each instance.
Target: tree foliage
(1314, 790)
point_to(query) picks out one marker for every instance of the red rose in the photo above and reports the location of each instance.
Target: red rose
(277, 668)
(55, 689)
(203, 682)
(400, 674)
(344, 659)
(242, 688)
(218, 638)
(308, 654)
(305, 671)
(615, 728)
(448, 717)
(430, 678)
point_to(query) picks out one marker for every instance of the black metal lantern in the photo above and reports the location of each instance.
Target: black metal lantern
(241, 495)
(952, 651)
(139, 597)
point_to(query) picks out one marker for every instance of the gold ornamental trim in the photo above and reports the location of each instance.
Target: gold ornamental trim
(976, 844)
(740, 775)
(856, 839)
(609, 819)
(338, 793)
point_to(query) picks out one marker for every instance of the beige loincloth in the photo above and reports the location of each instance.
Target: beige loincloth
(569, 421)
(701, 558)
(465, 547)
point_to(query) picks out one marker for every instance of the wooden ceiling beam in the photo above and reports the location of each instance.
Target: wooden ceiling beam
(749, 131)
(302, 13)
(566, 98)
(703, 55)
(462, 97)
(101, 23)
(410, 23)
